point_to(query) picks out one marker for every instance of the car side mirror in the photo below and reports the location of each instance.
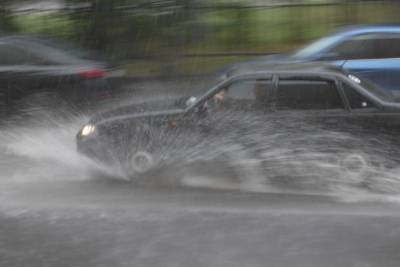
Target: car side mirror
(200, 109)
(190, 101)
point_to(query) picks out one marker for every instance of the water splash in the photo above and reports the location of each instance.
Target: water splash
(42, 148)
(252, 153)
(249, 153)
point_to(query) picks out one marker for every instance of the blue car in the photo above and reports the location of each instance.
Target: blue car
(372, 52)
(355, 42)
(383, 72)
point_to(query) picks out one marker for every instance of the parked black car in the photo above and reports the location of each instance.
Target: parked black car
(44, 66)
(293, 108)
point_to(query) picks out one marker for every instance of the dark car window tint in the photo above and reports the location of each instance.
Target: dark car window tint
(389, 47)
(12, 55)
(245, 94)
(369, 46)
(357, 48)
(356, 100)
(301, 94)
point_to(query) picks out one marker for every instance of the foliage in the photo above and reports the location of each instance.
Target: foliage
(164, 34)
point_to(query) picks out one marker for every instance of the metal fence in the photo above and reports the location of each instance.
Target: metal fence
(190, 30)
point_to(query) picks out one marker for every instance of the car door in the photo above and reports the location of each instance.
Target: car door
(241, 102)
(320, 130)
(236, 114)
(307, 103)
(333, 105)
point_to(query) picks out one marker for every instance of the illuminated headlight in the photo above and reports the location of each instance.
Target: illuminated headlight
(88, 129)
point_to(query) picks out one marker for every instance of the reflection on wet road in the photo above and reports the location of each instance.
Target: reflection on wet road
(60, 209)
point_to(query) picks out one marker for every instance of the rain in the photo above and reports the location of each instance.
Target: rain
(119, 145)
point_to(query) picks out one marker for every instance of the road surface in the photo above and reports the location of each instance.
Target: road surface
(57, 210)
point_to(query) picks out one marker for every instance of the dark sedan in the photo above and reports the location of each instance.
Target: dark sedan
(34, 66)
(242, 118)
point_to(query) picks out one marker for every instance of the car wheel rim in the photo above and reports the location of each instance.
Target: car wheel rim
(142, 161)
(355, 166)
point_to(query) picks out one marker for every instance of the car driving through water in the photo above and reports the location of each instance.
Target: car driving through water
(261, 121)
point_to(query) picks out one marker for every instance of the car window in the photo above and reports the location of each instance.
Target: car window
(317, 47)
(311, 95)
(245, 95)
(356, 100)
(389, 46)
(13, 55)
(369, 46)
(358, 47)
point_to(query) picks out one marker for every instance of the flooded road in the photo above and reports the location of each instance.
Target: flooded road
(60, 209)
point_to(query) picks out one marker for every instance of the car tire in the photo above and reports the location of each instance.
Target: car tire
(355, 168)
(141, 162)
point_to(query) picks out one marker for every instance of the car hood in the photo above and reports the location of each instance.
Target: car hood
(134, 111)
(127, 117)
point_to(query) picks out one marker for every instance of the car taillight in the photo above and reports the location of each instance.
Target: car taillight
(92, 74)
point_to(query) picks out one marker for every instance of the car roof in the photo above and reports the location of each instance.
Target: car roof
(311, 67)
(32, 43)
(371, 28)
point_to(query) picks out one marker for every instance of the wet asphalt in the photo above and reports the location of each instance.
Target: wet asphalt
(55, 211)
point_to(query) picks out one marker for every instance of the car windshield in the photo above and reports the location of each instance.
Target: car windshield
(316, 47)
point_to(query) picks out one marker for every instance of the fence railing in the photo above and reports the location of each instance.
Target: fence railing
(167, 31)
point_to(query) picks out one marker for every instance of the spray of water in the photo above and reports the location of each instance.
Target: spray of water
(37, 143)
(42, 148)
(249, 152)
(242, 152)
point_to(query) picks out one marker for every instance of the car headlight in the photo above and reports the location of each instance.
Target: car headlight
(88, 129)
